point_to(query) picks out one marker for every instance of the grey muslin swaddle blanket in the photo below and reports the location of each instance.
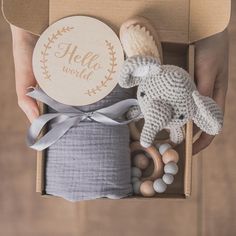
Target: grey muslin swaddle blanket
(91, 160)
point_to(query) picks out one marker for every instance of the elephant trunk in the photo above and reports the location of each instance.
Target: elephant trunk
(157, 116)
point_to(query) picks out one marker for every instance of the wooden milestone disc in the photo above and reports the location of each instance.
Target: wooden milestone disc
(77, 59)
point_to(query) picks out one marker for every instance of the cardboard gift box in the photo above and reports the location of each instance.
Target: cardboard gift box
(180, 23)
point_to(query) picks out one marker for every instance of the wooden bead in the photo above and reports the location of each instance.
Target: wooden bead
(141, 161)
(171, 168)
(159, 186)
(136, 172)
(156, 157)
(170, 156)
(147, 189)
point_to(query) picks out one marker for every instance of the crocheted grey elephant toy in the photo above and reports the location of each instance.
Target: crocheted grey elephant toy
(168, 98)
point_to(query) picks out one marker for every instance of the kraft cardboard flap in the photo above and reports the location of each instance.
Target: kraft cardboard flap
(182, 21)
(31, 15)
(208, 17)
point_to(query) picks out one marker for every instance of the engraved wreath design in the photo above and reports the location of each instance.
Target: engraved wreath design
(110, 71)
(47, 47)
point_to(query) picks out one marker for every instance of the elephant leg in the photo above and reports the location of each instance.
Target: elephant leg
(176, 135)
(134, 113)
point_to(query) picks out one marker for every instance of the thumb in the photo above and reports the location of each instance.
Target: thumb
(30, 107)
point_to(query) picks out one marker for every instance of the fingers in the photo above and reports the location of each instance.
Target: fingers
(195, 129)
(208, 88)
(221, 86)
(205, 76)
(211, 76)
(203, 142)
(23, 46)
(219, 97)
(24, 80)
(29, 107)
(22, 38)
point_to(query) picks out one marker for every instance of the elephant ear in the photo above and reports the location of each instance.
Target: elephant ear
(135, 69)
(157, 117)
(208, 115)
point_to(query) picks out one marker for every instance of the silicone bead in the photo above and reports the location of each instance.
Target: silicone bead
(171, 168)
(134, 179)
(159, 186)
(136, 187)
(136, 172)
(168, 178)
(164, 147)
(170, 156)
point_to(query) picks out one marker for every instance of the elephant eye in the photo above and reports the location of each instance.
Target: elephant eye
(181, 117)
(142, 94)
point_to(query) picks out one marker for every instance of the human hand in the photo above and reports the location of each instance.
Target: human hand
(211, 75)
(23, 45)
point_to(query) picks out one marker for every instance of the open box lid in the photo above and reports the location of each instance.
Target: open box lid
(180, 21)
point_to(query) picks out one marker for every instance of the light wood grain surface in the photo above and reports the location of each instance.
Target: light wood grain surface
(211, 211)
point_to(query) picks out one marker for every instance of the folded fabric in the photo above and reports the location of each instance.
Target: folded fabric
(91, 160)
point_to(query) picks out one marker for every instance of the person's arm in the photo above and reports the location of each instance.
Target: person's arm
(211, 75)
(23, 45)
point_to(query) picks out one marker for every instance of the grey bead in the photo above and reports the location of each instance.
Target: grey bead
(159, 186)
(168, 178)
(164, 147)
(171, 168)
(136, 172)
(136, 187)
(134, 179)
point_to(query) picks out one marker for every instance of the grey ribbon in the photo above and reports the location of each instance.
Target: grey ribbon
(66, 117)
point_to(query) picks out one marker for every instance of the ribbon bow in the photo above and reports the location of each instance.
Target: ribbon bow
(66, 117)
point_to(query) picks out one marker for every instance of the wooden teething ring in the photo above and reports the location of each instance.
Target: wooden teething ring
(156, 157)
(134, 132)
(135, 135)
